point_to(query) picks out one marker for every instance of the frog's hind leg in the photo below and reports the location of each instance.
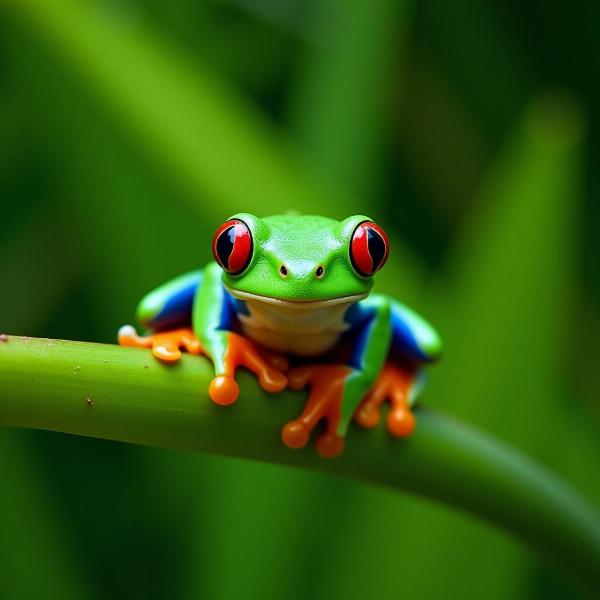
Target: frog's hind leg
(324, 402)
(165, 345)
(399, 385)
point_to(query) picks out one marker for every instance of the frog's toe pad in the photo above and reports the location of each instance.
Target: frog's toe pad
(367, 415)
(166, 351)
(400, 421)
(223, 390)
(299, 377)
(393, 384)
(276, 360)
(295, 434)
(329, 445)
(272, 380)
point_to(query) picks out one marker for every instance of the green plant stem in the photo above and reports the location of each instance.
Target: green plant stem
(123, 394)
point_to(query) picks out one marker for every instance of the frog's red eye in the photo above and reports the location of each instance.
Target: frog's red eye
(232, 246)
(369, 248)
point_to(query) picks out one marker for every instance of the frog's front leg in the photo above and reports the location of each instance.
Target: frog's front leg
(229, 351)
(214, 316)
(336, 390)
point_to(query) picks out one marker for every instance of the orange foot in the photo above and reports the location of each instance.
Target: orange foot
(241, 352)
(393, 384)
(324, 401)
(166, 345)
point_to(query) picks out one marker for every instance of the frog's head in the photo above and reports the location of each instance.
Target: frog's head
(299, 258)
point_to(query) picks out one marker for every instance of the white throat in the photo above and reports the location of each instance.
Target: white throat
(303, 328)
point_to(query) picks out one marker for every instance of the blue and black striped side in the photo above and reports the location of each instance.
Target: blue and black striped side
(170, 305)
(412, 337)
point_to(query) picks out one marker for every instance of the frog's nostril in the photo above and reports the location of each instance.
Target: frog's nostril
(283, 271)
(320, 272)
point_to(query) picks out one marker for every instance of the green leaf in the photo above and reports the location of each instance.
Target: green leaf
(338, 107)
(195, 125)
(34, 258)
(502, 308)
(509, 283)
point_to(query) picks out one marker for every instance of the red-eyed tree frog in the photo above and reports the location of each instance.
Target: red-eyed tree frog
(296, 288)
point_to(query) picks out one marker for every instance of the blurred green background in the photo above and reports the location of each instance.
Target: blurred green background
(132, 128)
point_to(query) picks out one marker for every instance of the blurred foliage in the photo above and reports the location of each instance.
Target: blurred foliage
(131, 129)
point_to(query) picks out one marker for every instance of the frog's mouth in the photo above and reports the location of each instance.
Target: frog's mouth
(296, 304)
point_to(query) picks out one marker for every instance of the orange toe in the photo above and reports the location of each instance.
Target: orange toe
(128, 336)
(295, 434)
(276, 360)
(166, 350)
(272, 380)
(223, 390)
(326, 384)
(400, 421)
(393, 384)
(165, 345)
(329, 445)
(299, 377)
(242, 352)
(367, 416)
(192, 345)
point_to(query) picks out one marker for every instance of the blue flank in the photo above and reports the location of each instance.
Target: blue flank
(238, 306)
(230, 307)
(404, 338)
(177, 309)
(360, 317)
(360, 344)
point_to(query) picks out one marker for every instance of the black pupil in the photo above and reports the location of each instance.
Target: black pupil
(225, 246)
(376, 246)
(283, 270)
(319, 271)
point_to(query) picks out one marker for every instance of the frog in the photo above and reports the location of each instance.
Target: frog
(289, 298)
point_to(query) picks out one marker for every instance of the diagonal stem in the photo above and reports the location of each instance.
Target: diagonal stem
(122, 394)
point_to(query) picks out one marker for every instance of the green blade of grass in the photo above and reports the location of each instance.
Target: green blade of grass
(196, 126)
(510, 279)
(34, 258)
(508, 291)
(439, 140)
(467, 40)
(338, 106)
